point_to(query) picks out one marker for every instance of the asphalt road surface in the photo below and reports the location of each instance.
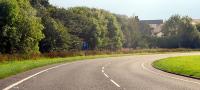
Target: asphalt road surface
(115, 73)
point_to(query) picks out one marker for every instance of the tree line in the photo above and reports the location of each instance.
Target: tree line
(34, 26)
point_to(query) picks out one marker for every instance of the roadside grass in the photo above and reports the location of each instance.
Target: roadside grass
(64, 54)
(184, 65)
(9, 68)
(14, 64)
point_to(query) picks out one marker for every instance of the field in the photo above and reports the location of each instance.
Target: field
(184, 65)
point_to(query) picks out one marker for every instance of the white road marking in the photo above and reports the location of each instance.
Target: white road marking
(27, 78)
(168, 76)
(106, 75)
(114, 83)
(109, 78)
(46, 70)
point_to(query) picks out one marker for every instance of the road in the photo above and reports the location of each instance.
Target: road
(115, 73)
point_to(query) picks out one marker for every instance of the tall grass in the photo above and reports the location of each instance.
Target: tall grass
(14, 67)
(17, 63)
(64, 54)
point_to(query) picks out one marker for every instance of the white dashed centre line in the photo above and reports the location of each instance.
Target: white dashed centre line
(109, 77)
(102, 71)
(106, 75)
(114, 83)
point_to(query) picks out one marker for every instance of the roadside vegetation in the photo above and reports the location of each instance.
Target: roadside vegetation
(184, 65)
(34, 31)
(10, 68)
(14, 64)
(37, 27)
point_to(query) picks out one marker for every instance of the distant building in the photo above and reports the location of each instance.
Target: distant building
(156, 25)
(195, 21)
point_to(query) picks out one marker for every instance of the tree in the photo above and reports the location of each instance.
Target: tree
(39, 3)
(21, 30)
(136, 34)
(42, 7)
(114, 33)
(198, 27)
(93, 26)
(181, 30)
(56, 36)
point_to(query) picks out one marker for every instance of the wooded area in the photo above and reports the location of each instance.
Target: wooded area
(34, 26)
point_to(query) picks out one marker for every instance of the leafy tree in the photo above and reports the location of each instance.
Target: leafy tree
(93, 26)
(114, 33)
(198, 27)
(183, 32)
(136, 34)
(20, 31)
(42, 6)
(56, 36)
(39, 3)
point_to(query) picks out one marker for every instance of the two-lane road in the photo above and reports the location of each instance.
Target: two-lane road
(115, 73)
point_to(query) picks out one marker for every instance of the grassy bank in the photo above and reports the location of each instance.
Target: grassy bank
(184, 65)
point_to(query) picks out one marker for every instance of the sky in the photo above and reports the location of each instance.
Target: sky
(145, 9)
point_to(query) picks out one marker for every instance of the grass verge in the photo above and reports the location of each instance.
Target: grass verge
(184, 65)
(14, 64)
(9, 68)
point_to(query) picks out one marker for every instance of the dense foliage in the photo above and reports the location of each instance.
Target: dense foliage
(56, 36)
(136, 34)
(33, 26)
(179, 32)
(98, 28)
(20, 30)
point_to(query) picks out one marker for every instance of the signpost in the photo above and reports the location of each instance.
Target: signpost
(85, 46)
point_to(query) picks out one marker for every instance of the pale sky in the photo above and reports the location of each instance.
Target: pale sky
(145, 9)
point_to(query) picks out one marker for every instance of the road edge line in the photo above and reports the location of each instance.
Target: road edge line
(31, 76)
(143, 66)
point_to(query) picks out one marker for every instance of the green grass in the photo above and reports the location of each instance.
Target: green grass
(9, 68)
(184, 65)
(12, 65)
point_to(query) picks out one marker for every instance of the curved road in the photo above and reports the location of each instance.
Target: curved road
(115, 73)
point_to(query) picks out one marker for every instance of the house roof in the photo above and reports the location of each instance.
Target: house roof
(195, 21)
(152, 21)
